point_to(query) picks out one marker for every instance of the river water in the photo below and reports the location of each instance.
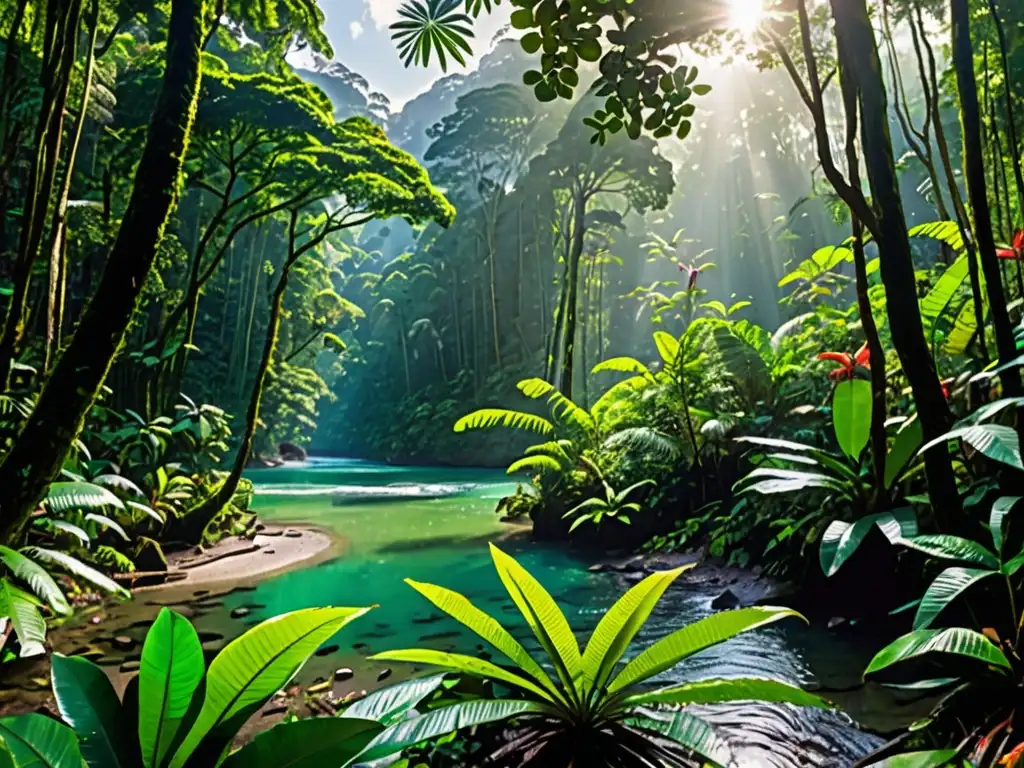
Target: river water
(433, 525)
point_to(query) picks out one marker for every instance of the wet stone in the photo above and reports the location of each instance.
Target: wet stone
(131, 666)
(123, 643)
(239, 613)
(725, 601)
(327, 650)
(384, 675)
(345, 673)
(293, 534)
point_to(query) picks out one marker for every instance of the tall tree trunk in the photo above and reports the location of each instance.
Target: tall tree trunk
(853, 25)
(58, 234)
(974, 171)
(1011, 120)
(39, 452)
(572, 291)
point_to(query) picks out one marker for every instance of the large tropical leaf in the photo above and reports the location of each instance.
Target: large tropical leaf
(535, 464)
(544, 618)
(318, 742)
(88, 703)
(620, 624)
(106, 522)
(726, 690)
(428, 26)
(443, 721)
(62, 497)
(253, 667)
(949, 547)
(391, 704)
(1001, 508)
(955, 641)
(907, 441)
(668, 348)
(694, 638)
(485, 418)
(171, 670)
(561, 406)
(941, 294)
(689, 731)
(946, 587)
(851, 415)
(76, 568)
(623, 365)
(993, 441)
(38, 741)
(38, 580)
(487, 627)
(28, 623)
(842, 539)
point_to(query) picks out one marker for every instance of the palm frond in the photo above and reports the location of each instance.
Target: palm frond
(646, 440)
(485, 418)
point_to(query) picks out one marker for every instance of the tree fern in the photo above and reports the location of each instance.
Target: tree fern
(486, 418)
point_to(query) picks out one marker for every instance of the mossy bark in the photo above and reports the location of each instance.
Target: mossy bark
(579, 230)
(76, 380)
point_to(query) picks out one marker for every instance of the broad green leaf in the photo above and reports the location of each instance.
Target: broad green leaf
(36, 577)
(946, 587)
(88, 703)
(851, 415)
(77, 568)
(390, 705)
(993, 441)
(907, 441)
(941, 294)
(28, 622)
(487, 627)
(668, 347)
(442, 721)
(955, 641)
(623, 365)
(771, 442)
(1001, 507)
(259, 663)
(62, 497)
(467, 665)
(38, 741)
(171, 669)
(933, 758)
(737, 689)
(106, 522)
(620, 624)
(533, 465)
(544, 617)
(842, 539)
(694, 638)
(319, 742)
(689, 731)
(485, 418)
(950, 547)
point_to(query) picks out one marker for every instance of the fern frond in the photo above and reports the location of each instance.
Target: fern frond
(561, 406)
(485, 418)
(534, 465)
(646, 440)
(76, 568)
(116, 561)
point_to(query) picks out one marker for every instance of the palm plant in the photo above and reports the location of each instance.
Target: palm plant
(614, 506)
(591, 713)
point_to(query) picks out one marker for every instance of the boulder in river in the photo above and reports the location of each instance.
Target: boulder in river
(345, 673)
(726, 601)
(291, 452)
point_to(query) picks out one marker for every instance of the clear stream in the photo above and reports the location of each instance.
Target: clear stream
(433, 525)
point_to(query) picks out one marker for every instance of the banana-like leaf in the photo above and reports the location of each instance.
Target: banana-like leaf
(147, 510)
(941, 294)
(993, 441)
(119, 483)
(946, 587)
(485, 418)
(950, 547)
(89, 704)
(620, 624)
(466, 665)
(28, 623)
(63, 526)
(62, 497)
(932, 758)
(955, 641)
(907, 441)
(37, 578)
(623, 365)
(316, 742)
(668, 348)
(726, 690)
(171, 670)
(842, 539)
(964, 329)
(775, 443)
(689, 731)
(534, 465)
(646, 440)
(851, 415)
(251, 668)
(1001, 507)
(543, 616)
(77, 568)
(391, 705)
(487, 628)
(38, 741)
(694, 638)
(106, 522)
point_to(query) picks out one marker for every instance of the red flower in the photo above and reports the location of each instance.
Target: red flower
(947, 387)
(694, 274)
(1016, 250)
(848, 363)
(1014, 758)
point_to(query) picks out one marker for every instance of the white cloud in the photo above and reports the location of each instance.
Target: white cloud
(356, 30)
(384, 12)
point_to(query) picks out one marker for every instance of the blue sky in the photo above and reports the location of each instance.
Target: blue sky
(358, 30)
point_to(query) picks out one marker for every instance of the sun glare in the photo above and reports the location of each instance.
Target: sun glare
(746, 15)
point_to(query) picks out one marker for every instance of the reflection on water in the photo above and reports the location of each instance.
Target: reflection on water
(403, 531)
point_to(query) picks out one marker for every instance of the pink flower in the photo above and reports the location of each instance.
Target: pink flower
(694, 273)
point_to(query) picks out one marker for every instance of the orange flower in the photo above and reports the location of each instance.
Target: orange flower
(1015, 758)
(1016, 249)
(947, 387)
(847, 363)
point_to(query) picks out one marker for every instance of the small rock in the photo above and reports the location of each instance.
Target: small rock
(327, 650)
(131, 666)
(598, 568)
(345, 673)
(836, 621)
(291, 533)
(384, 675)
(269, 551)
(123, 643)
(240, 613)
(725, 601)
(757, 570)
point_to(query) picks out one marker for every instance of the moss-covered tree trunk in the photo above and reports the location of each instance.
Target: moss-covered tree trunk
(571, 288)
(974, 172)
(41, 448)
